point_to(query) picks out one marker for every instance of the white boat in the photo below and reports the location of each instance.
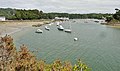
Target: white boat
(39, 31)
(75, 39)
(47, 28)
(68, 30)
(60, 27)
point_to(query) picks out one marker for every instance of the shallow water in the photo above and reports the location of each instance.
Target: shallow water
(98, 46)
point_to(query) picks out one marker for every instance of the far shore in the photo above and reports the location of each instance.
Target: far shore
(114, 26)
(11, 26)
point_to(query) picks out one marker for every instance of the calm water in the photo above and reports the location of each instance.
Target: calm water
(98, 46)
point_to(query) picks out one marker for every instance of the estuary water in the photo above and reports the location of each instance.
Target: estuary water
(98, 46)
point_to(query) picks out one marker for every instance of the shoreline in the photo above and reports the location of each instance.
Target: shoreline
(114, 26)
(11, 26)
(9, 33)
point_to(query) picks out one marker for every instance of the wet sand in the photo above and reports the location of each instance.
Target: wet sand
(10, 27)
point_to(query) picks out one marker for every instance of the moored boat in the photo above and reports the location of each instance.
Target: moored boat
(60, 27)
(39, 31)
(68, 30)
(75, 39)
(47, 28)
(96, 21)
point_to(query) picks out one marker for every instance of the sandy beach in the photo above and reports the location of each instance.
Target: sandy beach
(114, 26)
(10, 27)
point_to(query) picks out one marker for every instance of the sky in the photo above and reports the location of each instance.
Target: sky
(67, 6)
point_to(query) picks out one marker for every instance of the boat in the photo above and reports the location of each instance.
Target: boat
(39, 31)
(68, 30)
(47, 28)
(75, 39)
(96, 21)
(60, 27)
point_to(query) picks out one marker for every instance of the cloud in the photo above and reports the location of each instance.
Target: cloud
(70, 6)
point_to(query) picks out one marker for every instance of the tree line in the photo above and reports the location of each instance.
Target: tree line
(117, 14)
(22, 14)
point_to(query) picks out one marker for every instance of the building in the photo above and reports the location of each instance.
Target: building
(61, 18)
(2, 18)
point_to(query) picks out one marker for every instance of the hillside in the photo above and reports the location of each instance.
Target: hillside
(22, 14)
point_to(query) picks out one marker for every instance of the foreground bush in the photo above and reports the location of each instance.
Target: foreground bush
(24, 60)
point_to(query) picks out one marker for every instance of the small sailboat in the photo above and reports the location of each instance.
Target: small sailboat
(60, 27)
(47, 28)
(68, 30)
(75, 39)
(97, 21)
(39, 31)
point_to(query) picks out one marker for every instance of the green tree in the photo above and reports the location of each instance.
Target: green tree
(117, 14)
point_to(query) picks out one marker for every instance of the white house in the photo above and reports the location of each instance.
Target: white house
(61, 18)
(2, 18)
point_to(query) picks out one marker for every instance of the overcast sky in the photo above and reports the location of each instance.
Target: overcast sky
(69, 6)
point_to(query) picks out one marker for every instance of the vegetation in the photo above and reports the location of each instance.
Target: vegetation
(19, 14)
(109, 18)
(117, 15)
(24, 60)
(115, 18)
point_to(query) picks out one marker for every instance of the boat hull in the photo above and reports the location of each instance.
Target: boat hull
(68, 31)
(60, 29)
(39, 32)
(47, 29)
